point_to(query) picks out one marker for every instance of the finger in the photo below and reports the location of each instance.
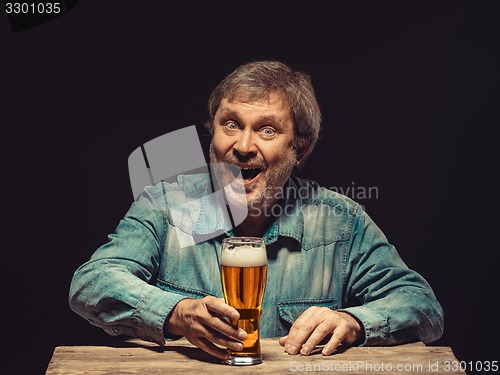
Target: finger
(301, 330)
(219, 339)
(282, 340)
(220, 312)
(320, 332)
(207, 346)
(338, 336)
(219, 307)
(225, 328)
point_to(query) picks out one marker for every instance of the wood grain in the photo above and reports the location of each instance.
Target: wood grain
(140, 357)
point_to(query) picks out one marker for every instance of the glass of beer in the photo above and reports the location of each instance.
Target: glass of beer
(244, 271)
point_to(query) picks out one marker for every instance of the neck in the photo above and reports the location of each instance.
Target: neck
(256, 223)
(253, 228)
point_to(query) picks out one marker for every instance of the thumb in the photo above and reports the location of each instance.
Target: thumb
(282, 340)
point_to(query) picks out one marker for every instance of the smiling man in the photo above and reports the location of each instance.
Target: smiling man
(333, 277)
(258, 138)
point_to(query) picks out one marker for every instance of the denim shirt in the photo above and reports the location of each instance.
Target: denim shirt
(323, 250)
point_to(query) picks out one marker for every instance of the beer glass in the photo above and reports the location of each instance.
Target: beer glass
(244, 271)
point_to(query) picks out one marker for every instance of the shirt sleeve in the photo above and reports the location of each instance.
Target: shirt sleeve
(395, 304)
(114, 291)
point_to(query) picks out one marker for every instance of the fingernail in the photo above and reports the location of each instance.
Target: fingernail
(234, 316)
(238, 346)
(304, 351)
(326, 351)
(292, 349)
(242, 335)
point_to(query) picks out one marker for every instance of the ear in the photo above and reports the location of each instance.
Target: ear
(302, 153)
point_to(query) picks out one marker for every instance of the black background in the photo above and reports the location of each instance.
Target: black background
(409, 93)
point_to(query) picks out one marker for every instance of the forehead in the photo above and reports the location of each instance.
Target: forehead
(273, 103)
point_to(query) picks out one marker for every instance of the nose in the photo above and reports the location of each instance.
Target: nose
(245, 145)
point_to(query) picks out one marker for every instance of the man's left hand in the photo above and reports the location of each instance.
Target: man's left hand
(315, 324)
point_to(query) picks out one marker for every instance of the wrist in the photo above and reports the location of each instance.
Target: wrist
(357, 327)
(173, 323)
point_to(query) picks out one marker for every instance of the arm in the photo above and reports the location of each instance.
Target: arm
(385, 302)
(113, 291)
(394, 303)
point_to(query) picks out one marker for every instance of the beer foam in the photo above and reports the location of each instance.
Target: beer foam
(244, 256)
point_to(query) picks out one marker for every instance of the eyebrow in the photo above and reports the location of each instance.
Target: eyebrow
(265, 118)
(228, 112)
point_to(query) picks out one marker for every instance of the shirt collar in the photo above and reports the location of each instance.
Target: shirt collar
(213, 216)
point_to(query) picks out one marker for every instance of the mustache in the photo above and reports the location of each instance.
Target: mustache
(254, 163)
(231, 158)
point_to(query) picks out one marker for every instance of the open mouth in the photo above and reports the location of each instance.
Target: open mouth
(250, 174)
(247, 174)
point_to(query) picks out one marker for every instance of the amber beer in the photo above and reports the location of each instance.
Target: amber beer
(244, 268)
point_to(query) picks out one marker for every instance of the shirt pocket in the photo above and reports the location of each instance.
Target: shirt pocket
(326, 224)
(187, 291)
(289, 311)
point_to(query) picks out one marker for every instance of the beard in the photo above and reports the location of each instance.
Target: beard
(268, 187)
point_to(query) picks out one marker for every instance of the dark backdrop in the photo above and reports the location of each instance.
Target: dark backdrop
(409, 93)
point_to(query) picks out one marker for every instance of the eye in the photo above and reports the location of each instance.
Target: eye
(231, 126)
(268, 132)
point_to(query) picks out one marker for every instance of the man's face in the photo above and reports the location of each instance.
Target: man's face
(257, 137)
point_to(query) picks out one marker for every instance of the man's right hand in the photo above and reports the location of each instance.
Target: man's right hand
(203, 323)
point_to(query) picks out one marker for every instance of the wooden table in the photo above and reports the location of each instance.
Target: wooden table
(140, 357)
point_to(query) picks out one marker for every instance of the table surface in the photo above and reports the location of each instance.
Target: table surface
(140, 357)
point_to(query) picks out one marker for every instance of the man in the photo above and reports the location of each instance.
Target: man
(332, 275)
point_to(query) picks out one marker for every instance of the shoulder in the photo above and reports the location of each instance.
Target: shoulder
(176, 195)
(328, 216)
(189, 186)
(311, 193)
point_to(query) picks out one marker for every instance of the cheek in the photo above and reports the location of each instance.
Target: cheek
(220, 144)
(277, 156)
